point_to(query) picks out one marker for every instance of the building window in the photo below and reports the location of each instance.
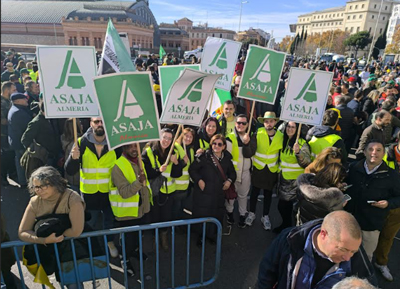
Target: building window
(351, 29)
(220, 35)
(354, 16)
(362, 6)
(350, 7)
(71, 41)
(358, 29)
(75, 41)
(380, 31)
(384, 18)
(385, 7)
(356, 7)
(373, 16)
(345, 29)
(348, 17)
(375, 6)
(360, 16)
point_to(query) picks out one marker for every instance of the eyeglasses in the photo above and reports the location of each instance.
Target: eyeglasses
(220, 144)
(97, 121)
(289, 126)
(41, 187)
(241, 123)
(166, 138)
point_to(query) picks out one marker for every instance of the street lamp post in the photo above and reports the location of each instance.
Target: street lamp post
(240, 17)
(373, 38)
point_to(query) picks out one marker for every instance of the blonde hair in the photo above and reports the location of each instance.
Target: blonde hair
(374, 95)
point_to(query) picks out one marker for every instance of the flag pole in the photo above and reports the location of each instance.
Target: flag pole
(75, 131)
(173, 145)
(140, 161)
(251, 116)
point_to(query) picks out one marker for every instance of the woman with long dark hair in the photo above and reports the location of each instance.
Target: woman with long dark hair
(164, 174)
(208, 129)
(294, 157)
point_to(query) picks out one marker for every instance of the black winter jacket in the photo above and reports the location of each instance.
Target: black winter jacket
(278, 263)
(383, 184)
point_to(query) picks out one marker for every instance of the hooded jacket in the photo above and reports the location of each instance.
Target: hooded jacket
(277, 266)
(315, 202)
(324, 130)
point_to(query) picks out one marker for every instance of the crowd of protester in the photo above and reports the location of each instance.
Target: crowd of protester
(337, 184)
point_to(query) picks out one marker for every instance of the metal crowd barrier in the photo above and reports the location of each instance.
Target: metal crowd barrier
(122, 231)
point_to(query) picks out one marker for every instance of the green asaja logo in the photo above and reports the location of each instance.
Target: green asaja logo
(128, 105)
(220, 59)
(263, 71)
(71, 73)
(193, 91)
(309, 90)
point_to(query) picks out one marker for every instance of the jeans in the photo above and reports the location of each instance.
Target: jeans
(177, 207)
(99, 204)
(20, 170)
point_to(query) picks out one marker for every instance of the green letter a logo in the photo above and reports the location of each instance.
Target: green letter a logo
(263, 71)
(193, 91)
(72, 73)
(129, 104)
(220, 58)
(309, 91)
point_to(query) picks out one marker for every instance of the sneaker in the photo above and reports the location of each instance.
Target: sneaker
(242, 222)
(229, 218)
(129, 268)
(384, 271)
(113, 249)
(266, 223)
(250, 219)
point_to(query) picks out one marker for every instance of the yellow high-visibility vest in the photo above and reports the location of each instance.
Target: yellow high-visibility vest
(318, 144)
(126, 207)
(182, 183)
(288, 163)
(95, 173)
(267, 153)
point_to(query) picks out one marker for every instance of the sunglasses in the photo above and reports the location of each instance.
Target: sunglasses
(241, 123)
(220, 144)
(97, 121)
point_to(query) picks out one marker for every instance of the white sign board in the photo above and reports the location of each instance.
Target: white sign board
(66, 74)
(306, 96)
(188, 97)
(220, 57)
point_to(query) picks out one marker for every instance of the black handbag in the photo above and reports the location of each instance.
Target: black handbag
(157, 183)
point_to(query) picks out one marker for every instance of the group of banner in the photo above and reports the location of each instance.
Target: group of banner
(126, 101)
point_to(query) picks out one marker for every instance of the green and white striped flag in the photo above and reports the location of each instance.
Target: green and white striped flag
(115, 57)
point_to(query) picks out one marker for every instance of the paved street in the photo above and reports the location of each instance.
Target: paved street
(242, 251)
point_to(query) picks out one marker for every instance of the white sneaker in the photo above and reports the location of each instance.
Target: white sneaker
(385, 271)
(113, 249)
(266, 223)
(250, 219)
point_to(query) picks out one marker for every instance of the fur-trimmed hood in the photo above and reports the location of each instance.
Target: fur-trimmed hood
(329, 198)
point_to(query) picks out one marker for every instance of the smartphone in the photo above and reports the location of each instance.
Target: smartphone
(346, 197)
(346, 187)
(371, 202)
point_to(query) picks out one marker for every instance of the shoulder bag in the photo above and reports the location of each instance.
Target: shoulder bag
(230, 193)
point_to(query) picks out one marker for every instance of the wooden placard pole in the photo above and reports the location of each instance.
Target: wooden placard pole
(173, 145)
(251, 116)
(140, 161)
(75, 131)
(211, 101)
(298, 133)
(183, 141)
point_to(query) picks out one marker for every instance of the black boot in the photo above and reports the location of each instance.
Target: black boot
(229, 218)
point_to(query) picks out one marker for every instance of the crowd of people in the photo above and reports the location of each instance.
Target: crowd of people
(339, 213)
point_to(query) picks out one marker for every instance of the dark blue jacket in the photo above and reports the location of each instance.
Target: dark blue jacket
(276, 268)
(18, 118)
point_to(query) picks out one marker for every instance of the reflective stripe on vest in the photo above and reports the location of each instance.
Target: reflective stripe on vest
(182, 183)
(235, 150)
(317, 144)
(126, 207)
(267, 153)
(95, 173)
(167, 173)
(289, 165)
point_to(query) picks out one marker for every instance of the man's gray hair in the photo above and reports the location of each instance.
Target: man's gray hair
(353, 283)
(48, 175)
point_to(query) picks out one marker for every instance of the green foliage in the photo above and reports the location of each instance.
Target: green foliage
(380, 43)
(358, 41)
(294, 44)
